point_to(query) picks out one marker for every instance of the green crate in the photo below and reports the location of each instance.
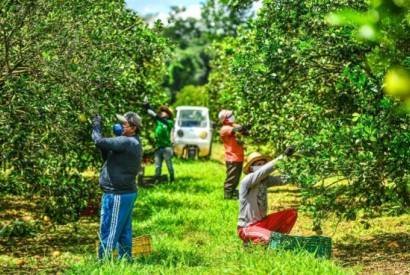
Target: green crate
(318, 245)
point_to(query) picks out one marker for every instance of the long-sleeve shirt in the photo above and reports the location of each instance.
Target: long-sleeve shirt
(234, 152)
(253, 193)
(122, 162)
(163, 133)
(162, 130)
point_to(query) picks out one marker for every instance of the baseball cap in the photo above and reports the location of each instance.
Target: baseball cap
(132, 118)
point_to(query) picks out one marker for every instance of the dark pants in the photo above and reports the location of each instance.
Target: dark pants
(233, 174)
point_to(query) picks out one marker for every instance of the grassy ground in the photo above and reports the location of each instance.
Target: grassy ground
(194, 232)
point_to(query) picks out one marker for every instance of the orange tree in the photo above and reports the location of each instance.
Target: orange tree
(62, 62)
(385, 25)
(299, 81)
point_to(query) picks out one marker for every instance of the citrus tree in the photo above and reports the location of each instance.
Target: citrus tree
(61, 63)
(192, 96)
(384, 25)
(299, 81)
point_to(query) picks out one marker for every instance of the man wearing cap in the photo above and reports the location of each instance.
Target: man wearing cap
(234, 152)
(254, 225)
(122, 163)
(163, 143)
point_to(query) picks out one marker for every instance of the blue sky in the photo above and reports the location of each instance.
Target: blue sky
(162, 6)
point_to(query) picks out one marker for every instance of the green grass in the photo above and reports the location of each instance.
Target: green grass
(193, 231)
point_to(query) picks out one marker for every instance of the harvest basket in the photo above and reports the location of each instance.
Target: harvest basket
(141, 245)
(318, 245)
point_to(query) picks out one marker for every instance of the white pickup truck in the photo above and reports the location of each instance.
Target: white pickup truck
(192, 134)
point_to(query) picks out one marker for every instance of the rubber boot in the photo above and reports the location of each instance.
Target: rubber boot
(156, 180)
(228, 195)
(235, 194)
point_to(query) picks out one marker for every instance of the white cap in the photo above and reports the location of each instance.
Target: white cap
(224, 114)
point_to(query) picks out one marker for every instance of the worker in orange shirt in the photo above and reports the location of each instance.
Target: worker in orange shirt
(234, 152)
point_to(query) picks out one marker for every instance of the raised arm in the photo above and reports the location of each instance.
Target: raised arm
(255, 178)
(242, 129)
(106, 144)
(157, 117)
(280, 180)
(152, 113)
(232, 130)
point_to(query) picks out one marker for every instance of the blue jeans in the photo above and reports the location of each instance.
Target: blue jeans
(116, 224)
(160, 155)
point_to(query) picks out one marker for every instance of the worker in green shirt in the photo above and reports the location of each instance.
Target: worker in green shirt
(163, 143)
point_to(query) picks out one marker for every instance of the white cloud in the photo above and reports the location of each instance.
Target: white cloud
(148, 9)
(193, 11)
(257, 6)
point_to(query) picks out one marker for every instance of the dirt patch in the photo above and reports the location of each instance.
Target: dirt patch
(378, 246)
(49, 248)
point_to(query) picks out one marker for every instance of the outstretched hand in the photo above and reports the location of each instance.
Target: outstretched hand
(146, 104)
(242, 129)
(96, 121)
(245, 129)
(289, 151)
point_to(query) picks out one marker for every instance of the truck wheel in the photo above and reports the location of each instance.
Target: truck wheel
(192, 152)
(208, 157)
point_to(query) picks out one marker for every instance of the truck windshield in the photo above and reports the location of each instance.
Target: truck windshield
(192, 118)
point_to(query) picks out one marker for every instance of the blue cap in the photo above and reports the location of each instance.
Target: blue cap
(117, 129)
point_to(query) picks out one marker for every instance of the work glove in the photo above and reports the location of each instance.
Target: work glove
(151, 112)
(96, 121)
(245, 129)
(146, 105)
(289, 151)
(241, 129)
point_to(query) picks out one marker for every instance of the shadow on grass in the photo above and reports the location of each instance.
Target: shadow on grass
(283, 198)
(46, 237)
(12, 207)
(389, 248)
(215, 161)
(150, 205)
(293, 192)
(62, 238)
(145, 209)
(183, 184)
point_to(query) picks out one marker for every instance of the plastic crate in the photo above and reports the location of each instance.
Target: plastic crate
(140, 246)
(320, 246)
